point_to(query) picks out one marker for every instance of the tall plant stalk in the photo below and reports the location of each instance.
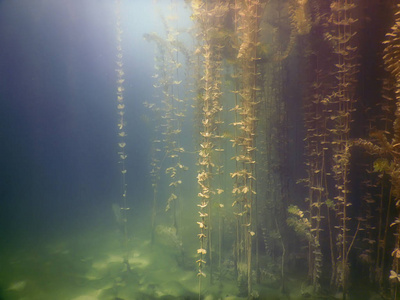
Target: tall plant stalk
(248, 13)
(171, 114)
(208, 16)
(122, 134)
(317, 136)
(343, 102)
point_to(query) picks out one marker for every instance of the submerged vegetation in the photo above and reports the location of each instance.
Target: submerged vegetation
(123, 205)
(274, 161)
(274, 83)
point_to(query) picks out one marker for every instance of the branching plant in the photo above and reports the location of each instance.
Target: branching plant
(209, 18)
(172, 113)
(342, 22)
(389, 150)
(248, 13)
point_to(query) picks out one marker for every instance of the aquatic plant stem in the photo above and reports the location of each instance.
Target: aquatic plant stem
(382, 262)
(122, 135)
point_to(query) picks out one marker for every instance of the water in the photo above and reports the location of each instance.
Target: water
(193, 150)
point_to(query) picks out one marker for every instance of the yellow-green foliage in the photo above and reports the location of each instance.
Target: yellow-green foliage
(299, 222)
(381, 165)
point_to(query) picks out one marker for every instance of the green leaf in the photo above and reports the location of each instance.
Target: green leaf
(381, 165)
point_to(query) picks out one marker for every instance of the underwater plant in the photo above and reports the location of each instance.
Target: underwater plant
(342, 21)
(166, 153)
(387, 150)
(273, 141)
(209, 19)
(247, 30)
(122, 134)
(254, 52)
(316, 118)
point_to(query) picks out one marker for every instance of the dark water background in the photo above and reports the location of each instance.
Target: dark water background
(58, 116)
